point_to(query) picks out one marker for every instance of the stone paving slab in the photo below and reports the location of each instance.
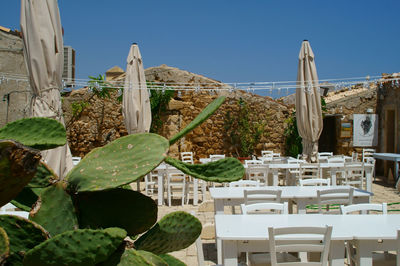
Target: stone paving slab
(382, 193)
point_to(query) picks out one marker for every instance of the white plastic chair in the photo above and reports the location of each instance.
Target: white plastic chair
(262, 195)
(187, 157)
(352, 246)
(309, 171)
(367, 153)
(252, 162)
(176, 181)
(244, 183)
(327, 197)
(76, 160)
(354, 174)
(260, 208)
(267, 153)
(324, 154)
(216, 157)
(315, 182)
(150, 181)
(280, 248)
(258, 172)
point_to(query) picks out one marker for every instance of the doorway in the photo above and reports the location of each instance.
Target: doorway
(327, 140)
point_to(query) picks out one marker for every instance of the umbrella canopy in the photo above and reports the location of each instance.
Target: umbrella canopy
(308, 103)
(135, 102)
(44, 55)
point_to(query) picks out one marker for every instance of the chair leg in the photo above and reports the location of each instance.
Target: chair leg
(169, 195)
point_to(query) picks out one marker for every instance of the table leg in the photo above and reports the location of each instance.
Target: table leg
(160, 188)
(301, 206)
(195, 191)
(364, 254)
(218, 206)
(333, 177)
(275, 180)
(138, 185)
(229, 253)
(368, 179)
(336, 257)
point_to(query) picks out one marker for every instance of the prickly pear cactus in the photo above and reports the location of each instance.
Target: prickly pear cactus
(121, 162)
(128, 209)
(23, 235)
(175, 231)
(4, 246)
(224, 170)
(171, 260)
(54, 210)
(206, 113)
(44, 177)
(17, 167)
(132, 257)
(152, 258)
(79, 247)
(36, 132)
(27, 198)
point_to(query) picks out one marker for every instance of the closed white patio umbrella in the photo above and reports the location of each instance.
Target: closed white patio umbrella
(135, 102)
(44, 55)
(308, 103)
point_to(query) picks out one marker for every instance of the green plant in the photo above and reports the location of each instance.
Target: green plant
(159, 100)
(78, 108)
(92, 197)
(243, 134)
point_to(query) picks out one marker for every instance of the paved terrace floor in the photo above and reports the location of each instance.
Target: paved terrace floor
(382, 193)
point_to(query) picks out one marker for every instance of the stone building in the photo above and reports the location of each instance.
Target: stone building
(14, 94)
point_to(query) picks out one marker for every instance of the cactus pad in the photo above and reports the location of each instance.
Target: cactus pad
(54, 210)
(128, 209)
(79, 247)
(152, 258)
(4, 246)
(121, 162)
(206, 113)
(17, 167)
(23, 235)
(44, 176)
(171, 260)
(175, 231)
(36, 132)
(26, 198)
(224, 170)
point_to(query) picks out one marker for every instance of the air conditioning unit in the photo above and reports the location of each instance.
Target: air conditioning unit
(69, 66)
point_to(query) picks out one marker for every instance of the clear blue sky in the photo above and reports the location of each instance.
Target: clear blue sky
(231, 40)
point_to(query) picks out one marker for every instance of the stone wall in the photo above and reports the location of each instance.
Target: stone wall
(102, 121)
(14, 95)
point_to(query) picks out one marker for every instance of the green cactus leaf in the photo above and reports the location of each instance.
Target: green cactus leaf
(132, 257)
(4, 246)
(27, 198)
(54, 210)
(171, 260)
(121, 162)
(23, 235)
(80, 247)
(44, 177)
(127, 209)
(224, 170)
(17, 167)
(175, 231)
(206, 113)
(152, 258)
(36, 132)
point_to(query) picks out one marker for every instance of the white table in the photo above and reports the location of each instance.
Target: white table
(234, 196)
(395, 157)
(243, 233)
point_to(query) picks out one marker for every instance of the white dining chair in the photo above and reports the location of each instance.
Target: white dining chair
(244, 183)
(309, 171)
(176, 182)
(258, 172)
(252, 162)
(280, 249)
(315, 182)
(262, 195)
(187, 157)
(150, 182)
(353, 257)
(327, 197)
(76, 160)
(267, 153)
(216, 157)
(354, 174)
(367, 153)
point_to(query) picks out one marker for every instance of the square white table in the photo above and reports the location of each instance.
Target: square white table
(234, 196)
(244, 233)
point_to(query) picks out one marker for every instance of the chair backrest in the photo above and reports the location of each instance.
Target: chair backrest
(324, 154)
(244, 183)
(76, 160)
(187, 157)
(258, 172)
(363, 207)
(267, 153)
(354, 156)
(252, 162)
(367, 153)
(354, 174)
(276, 154)
(315, 182)
(261, 195)
(309, 170)
(176, 176)
(262, 207)
(216, 157)
(336, 159)
(300, 244)
(334, 196)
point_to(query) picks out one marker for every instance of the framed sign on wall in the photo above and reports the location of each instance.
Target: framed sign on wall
(365, 130)
(346, 130)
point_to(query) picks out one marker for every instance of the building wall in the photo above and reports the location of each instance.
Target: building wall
(14, 95)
